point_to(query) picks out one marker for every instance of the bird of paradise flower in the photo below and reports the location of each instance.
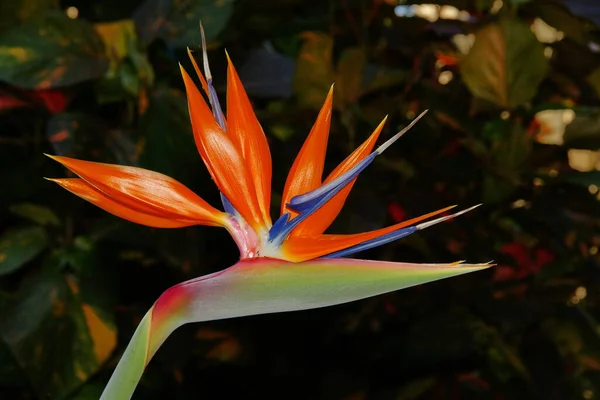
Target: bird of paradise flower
(286, 265)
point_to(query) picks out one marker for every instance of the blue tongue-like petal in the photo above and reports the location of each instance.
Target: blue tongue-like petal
(381, 240)
(305, 202)
(227, 206)
(392, 236)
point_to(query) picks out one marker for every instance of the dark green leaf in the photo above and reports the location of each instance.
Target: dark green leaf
(19, 246)
(51, 51)
(584, 178)
(506, 64)
(510, 150)
(39, 214)
(583, 132)
(267, 73)
(382, 78)
(174, 152)
(415, 389)
(56, 337)
(87, 136)
(91, 391)
(177, 21)
(594, 80)
(14, 12)
(349, 75)
(10, 372)
(314, 70)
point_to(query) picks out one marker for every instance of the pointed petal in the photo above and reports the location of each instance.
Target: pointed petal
(307, 171)
(222, 158)
(306, 248)
(324, 216)
(87, 192)
(207, 84)
(309, 202)
(241, 291)
(436, 221)
(198, 71)
(146, 191)
(304, 205)
(245, 131)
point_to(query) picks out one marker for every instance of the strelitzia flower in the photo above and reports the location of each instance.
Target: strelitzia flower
(286, 265)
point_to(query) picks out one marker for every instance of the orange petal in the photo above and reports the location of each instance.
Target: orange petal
(198, 72)
(245, 131)
(146, 191)
(87, 192)
(324, 216)
(299, 249)
(222, 158)
(307, 171)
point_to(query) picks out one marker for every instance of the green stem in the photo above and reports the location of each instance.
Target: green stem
(148, 337)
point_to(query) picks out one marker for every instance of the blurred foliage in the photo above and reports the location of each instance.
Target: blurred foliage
(513, 88)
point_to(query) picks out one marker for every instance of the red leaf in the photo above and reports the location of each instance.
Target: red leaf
(53, 100)
(525, 263)
(8, 101)
(396, 212)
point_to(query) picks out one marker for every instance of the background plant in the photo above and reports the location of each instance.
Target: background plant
(513, 88)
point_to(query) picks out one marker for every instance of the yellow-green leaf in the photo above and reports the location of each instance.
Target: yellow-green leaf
(116, 36)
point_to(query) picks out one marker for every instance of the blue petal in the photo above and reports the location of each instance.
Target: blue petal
(278, 226)
(229, 208)
(307, 201)
(390, 237)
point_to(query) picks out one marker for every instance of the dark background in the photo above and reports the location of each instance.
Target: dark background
(105, 86)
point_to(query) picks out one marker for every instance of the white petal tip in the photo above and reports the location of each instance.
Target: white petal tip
(398, 135)
(207, 73)
(446, 218)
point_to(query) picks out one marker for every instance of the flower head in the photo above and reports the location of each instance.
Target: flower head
(286, 265)
(236, 153)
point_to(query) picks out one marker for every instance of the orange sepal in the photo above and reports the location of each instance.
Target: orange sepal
(300, 248)
(203, 81)
(324, 216)
(198, 71)
(146, 191)
(222, 158)
(87, 192)
(307, 171)
(245, 131)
